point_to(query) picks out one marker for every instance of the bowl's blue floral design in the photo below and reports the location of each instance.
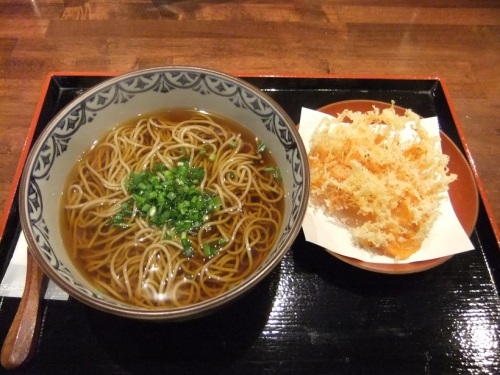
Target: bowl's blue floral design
(87, 108)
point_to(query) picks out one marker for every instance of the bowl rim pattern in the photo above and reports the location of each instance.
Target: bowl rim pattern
(52, 143)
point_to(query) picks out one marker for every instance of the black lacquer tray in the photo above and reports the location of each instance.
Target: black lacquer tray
(313, 314)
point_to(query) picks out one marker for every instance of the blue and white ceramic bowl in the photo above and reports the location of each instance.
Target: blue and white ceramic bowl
(119, 99)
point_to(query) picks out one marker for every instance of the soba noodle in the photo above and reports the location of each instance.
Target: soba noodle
(141, 264)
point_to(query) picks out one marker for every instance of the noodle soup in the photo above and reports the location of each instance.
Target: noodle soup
(172, 208)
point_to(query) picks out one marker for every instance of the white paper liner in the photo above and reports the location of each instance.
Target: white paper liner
(447, 237)
(15, 277)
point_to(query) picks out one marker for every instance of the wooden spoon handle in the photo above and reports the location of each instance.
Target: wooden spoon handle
(20, 341)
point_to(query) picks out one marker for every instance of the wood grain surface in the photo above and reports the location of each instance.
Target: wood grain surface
(457, 41)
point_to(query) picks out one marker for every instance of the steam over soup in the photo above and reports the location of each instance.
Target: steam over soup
(173, 208)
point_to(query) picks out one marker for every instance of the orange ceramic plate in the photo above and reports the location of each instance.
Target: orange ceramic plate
(463, 192)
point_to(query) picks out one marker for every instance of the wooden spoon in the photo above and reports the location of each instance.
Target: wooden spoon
(20, 342)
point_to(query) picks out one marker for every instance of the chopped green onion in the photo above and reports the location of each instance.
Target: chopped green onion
(276, 171)
(215, 203)
(188, 248)
(209, 250)
(261, 147)
(170, 198)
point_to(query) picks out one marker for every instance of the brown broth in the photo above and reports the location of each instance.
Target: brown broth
(177, 115)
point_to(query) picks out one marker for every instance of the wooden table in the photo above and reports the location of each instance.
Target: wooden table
(459, 43)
